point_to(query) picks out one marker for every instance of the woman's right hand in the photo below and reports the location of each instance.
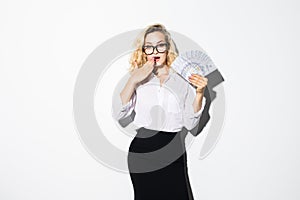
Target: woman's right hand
(139, 74)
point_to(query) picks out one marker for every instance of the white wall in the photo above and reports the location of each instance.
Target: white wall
(254, 43)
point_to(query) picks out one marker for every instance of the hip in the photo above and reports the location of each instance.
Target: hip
(166, 145)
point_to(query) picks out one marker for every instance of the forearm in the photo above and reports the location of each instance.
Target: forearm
(127, 91)
(197, 104)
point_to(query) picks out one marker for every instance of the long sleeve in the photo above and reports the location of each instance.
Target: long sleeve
(122, 111)
(190, 118)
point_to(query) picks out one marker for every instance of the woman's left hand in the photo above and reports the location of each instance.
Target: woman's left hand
(199, 81)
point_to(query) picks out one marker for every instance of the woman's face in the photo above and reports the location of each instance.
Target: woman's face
(156, 39)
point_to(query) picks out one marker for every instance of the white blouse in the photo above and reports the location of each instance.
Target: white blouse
(166, 108)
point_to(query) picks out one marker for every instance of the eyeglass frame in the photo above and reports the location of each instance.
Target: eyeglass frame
(155, 47)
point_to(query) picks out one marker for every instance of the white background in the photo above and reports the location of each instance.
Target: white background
(254, 43)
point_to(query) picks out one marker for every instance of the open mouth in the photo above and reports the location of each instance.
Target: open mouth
(156, 58)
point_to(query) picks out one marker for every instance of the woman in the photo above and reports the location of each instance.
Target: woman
(164, 103)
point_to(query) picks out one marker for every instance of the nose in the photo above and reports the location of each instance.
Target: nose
(155, 51)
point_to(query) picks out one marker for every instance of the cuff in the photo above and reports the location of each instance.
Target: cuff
(126, 106)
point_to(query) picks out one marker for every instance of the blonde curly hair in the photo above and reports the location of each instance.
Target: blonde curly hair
(139, 56)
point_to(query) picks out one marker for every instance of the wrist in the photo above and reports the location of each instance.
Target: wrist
(132, 81)
(200, 91)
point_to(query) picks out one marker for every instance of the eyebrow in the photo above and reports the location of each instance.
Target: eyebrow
(156, 43)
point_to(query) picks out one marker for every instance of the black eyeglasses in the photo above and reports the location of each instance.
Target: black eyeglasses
(160, 48)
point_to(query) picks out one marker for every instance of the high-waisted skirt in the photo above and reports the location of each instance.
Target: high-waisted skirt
(157, 163)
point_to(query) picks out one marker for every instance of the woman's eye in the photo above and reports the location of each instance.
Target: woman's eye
(161, 45)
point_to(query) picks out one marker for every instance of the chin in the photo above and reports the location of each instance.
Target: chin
(159, 64)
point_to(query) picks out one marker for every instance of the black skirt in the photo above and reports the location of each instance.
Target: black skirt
(157, 163)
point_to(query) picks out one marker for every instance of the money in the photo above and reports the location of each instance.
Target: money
(193, 62)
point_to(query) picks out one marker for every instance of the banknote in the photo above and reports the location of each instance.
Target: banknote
(193, 62)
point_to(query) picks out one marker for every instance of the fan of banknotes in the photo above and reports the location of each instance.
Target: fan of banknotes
(193, 62)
